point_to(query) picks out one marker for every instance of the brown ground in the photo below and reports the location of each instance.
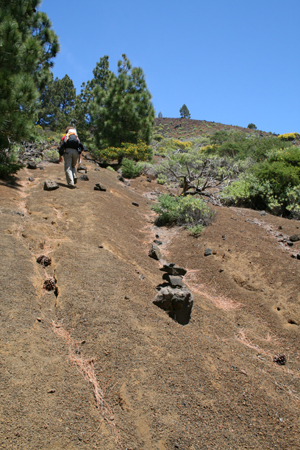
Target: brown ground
(95, 365)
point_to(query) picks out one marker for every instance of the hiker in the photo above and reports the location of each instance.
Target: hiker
(70, 149)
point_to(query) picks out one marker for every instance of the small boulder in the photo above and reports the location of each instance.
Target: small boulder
(99, 187)
(50, 185)
(172, 269)
(135, 204)
(31, 165)
(84, 177)
(30, 179)
(154, 252)
(208, 252)
(294, 238)
(82, 169)
(174, 281)
(176, 302)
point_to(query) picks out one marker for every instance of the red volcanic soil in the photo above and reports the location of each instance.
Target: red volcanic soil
(94, 364)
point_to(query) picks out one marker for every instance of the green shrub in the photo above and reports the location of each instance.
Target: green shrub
(130, 169)
(185, 211)
(52, 155)
(229, 149)
(252, 126)
(196, 229)
(162, 179)
(138, 152)
(110, 168)
(289, 136)
(158, 137)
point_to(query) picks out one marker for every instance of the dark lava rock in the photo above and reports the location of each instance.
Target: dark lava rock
(97, 168)
(294, 238)
(156, 241)
(172, 269)
(49, 284)
(154, 252)
(280, 227)
(208, 252)
(120, 178)
(149, 180)
(135, 204)
(174, 281)
(280, 359)
(223, 237)
(84, 177)
(50, 185)
(82, 169)
(99, 187)
(44, 260)
(176, 302)
(290, 243)
(298, 256)
(30, 179)
(31, 165)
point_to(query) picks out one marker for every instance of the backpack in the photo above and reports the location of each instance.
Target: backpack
(71, 140)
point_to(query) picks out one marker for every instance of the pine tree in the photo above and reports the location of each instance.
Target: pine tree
(160, 116)
(121, 108)
(184, 112)
(86, 109)
(57, 103)
(28, 45)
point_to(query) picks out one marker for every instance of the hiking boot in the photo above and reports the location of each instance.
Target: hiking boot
(71, 186)
(75, 180)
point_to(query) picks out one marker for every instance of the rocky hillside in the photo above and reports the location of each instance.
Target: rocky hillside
(95, 355)
(189, 128)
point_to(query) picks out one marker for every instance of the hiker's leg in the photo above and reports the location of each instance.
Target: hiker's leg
(75, 156)
(68, 167)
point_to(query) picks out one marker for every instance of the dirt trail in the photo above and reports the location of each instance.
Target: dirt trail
(94, 364)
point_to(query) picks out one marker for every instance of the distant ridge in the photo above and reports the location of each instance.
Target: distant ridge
(180, 128)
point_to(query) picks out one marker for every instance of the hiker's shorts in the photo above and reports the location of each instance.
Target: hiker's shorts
(71, 156)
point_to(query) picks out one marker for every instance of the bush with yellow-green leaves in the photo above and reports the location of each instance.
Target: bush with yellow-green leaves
(138, 152)
(289, 136)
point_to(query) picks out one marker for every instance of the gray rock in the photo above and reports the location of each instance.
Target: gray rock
(294, 238)
(174, 281)
(135, 204)
(208, 252)
(82, 169)
(120, 178)
(30, 179)
(176, 302)
(262, 213)
(172, 269)
(154, 252)
(31, 165)
(157, 242)
(290, 243)
(99, 187)
(84, 177)
(50, 185)
(97, 168)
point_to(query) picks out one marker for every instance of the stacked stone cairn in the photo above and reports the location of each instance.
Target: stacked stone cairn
(173, 296)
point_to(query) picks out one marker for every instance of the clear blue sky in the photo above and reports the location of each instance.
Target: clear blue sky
(229, 61)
